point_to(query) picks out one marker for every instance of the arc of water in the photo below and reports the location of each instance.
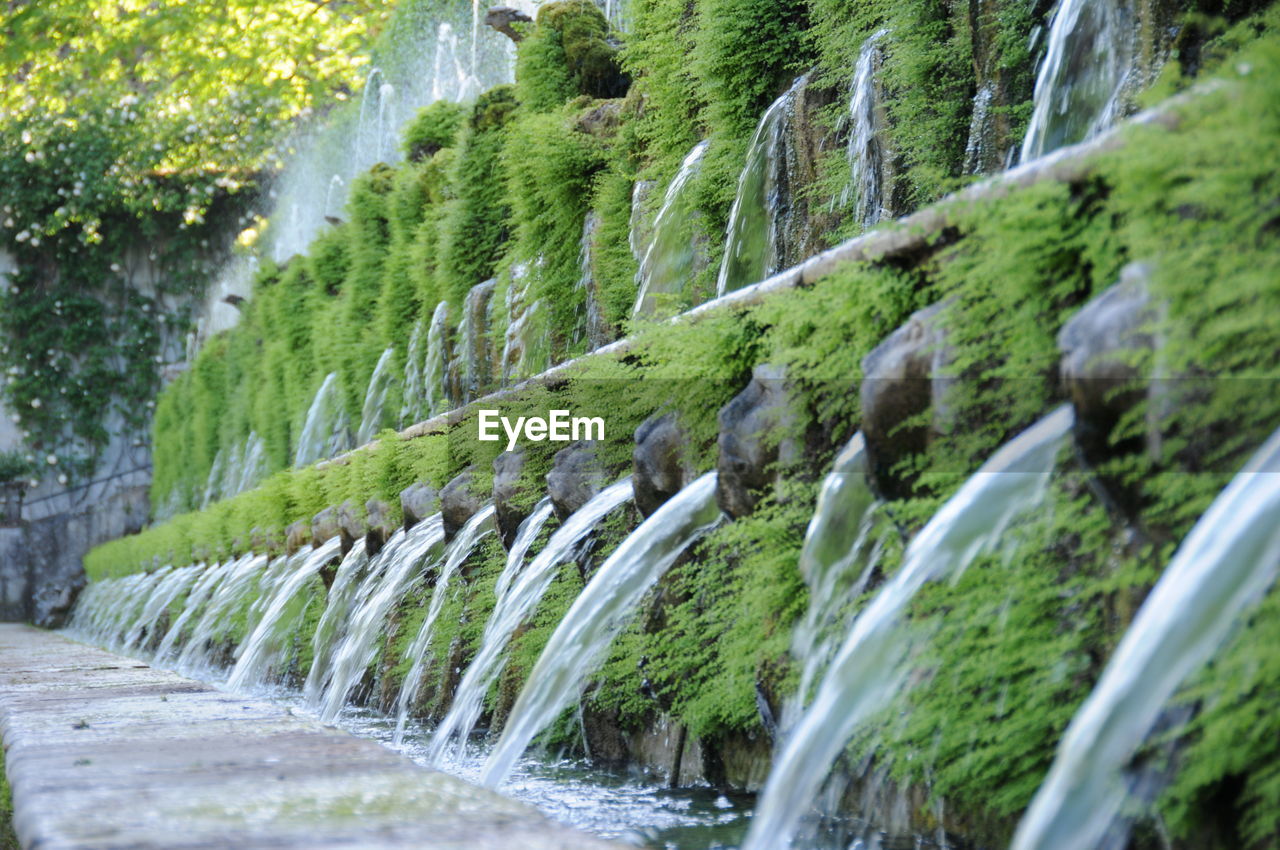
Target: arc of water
(475, 529)
(869, 667)
(200, 591)
(863, 151)
(599, 612)
(668, 258)
(1223, 566)
(373, 415)
(333, 622)
(393, 571)
(1085, 68)
(518, 592)
(841, 549)
(231, 591)
(325, 428)
(256, 654)
(167, 590)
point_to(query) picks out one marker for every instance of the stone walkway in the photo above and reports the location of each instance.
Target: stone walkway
(105, 752)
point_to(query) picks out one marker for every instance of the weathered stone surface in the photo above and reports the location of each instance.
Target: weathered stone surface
(1104, 349)
(296, 535)
(105, 752)
(378, 516)
(417, 502)
(660, 465)
(576, 475)
(324, 526)
(351, 525)
(753, 440)
(15, 601)
(506, 492)
(457, 503)
(501, 19)
(899, 383)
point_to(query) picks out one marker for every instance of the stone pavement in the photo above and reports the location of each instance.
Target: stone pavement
(105, 752)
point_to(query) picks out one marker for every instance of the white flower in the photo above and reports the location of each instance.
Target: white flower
(23, 236)
(52, 460)
(35, 402)
(62, 478)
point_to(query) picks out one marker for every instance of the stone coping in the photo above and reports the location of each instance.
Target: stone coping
(106, 752)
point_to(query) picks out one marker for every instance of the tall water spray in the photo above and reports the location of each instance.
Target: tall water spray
(598, 614)
(518, 591)
(1223, 567)
(872, 663)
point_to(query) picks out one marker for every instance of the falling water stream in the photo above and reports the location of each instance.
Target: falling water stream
(476, 528)
(841, 549)
(1080, 85)
(1222, 568)
(518, 592)
(871, 664)
(596, 616)
(863, 151)
(376, 414)
(752, 249)
(325, 431)
(669, 260)
(263, 645)
(396, 568)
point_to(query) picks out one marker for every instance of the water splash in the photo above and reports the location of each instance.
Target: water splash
(866, 159)
(597, 615)
(261, 652)
(871, 665)
(753, 249)
(376, 414)
(518, 592)
(326, 430)
(480, 525)
(1080, 86)
(669, 261)
(1221, 569)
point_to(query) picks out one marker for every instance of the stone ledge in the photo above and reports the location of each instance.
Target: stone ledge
(105, 752)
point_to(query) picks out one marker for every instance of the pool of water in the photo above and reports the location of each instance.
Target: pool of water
(631, 809)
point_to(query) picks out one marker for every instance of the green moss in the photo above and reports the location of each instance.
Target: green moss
(8, 838)
(435, 127)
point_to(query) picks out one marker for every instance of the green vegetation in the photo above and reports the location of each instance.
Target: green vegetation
(132, 129)
(1019, 640)
(8, 840)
